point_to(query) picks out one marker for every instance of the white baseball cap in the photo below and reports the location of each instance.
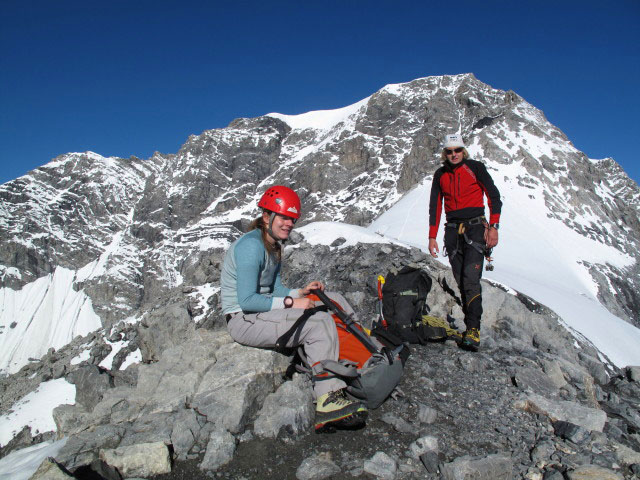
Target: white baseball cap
(453, 140)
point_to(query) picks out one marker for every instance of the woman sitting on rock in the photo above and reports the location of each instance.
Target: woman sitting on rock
(259, 309)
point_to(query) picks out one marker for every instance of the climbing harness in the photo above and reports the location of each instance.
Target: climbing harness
(462, 232)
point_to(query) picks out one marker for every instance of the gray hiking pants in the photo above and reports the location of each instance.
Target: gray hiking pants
(318, 335)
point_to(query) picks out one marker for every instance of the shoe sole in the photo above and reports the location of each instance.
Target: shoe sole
(350, 421)
(468, 346)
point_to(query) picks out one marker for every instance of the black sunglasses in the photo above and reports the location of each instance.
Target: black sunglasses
(449, 152)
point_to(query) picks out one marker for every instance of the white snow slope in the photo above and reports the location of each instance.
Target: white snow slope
(45, 313)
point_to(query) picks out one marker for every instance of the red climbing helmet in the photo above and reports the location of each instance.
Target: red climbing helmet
(282, 200)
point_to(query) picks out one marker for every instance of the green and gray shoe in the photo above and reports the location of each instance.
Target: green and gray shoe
(336, 410)
(471, 339)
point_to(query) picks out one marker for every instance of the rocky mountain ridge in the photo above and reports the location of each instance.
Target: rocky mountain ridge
(535, 402)
(141, 241)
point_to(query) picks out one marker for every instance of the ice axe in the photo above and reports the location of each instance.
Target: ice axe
(383, 322)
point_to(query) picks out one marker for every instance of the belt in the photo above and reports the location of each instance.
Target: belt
(471, 221)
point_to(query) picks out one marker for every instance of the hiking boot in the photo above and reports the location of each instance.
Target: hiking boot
(335, 410)
(471, 339)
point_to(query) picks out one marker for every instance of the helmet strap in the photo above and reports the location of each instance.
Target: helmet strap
(272, 216)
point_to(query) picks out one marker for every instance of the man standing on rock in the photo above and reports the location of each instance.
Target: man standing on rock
(259, 309)
(462, 183)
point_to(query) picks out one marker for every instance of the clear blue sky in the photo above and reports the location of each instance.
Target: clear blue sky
(125, 78)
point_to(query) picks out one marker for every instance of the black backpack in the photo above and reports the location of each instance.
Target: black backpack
(404, 301)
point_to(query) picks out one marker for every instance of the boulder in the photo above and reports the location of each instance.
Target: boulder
(381, 466)
(427, 414)
(49, 469)
(593, 472)
(141, 460)
(220, 450)
(289, 408)
(585, 417)
(317, 467)
(423, 445)
(232, 389)
(534, 380)
(491, 467)
(91, 383)
(633, 373)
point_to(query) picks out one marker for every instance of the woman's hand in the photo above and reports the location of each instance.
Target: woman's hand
(303, 303)
(312, 286)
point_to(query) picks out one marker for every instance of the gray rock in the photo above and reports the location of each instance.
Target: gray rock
(105, 471)
(49, 469)
(542, 452)
(423, 445)
(553, 475)
(471, 363)
(588, 418)
(593, 472)
(289, 408)
(626, 455)
(153, 428)
(91, 383)
(533, 473)
(72, 419)
(220, 450)
(633, 373)
(398, 423)
(317, 467)
(184, 433)
(596, 368)
(491, 467)
(338, 241)
(82, 449)
(141, 460)
(430, 460)
(164, 328)
(534, 380)
(571, 432)
(381, 466)
(237, 383)
(427, 415)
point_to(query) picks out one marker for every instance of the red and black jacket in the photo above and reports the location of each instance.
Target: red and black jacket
(462, 187)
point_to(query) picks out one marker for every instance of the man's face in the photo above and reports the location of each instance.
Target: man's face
(454, 155)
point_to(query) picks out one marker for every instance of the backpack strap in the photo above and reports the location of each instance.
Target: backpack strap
(281, 343)
(328, 369)
(347, 320)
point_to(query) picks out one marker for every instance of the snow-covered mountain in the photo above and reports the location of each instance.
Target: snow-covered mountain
(110, 239)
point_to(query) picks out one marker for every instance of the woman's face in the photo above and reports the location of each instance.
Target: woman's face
(281, 227)
(454, 155)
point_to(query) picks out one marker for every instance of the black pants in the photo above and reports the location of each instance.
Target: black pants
(467, 263)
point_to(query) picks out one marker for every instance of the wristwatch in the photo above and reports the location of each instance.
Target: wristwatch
(495, 225)
(288, 302)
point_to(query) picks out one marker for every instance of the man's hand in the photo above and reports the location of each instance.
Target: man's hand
(491, 237)
(433, 248)
(312, 286)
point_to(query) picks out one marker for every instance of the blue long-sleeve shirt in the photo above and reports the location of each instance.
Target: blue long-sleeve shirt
(250, 279)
